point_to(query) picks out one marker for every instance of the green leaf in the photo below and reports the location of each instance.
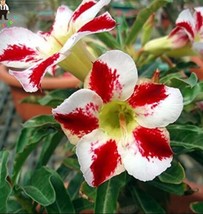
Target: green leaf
(63, 203)
(42, 120)
(197, 207)
(5, 188)
(141, 18)
(177, 189)
(71, 163)
(146, 203)
(188, 137)
(108, 40)
(48, 147)
(88, 192)
(83, 206)
(173, 175)
(28, 140)
(47, 189)
(56, 97)
(107, 194)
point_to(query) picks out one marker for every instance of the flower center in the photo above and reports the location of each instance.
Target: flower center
(117, 118)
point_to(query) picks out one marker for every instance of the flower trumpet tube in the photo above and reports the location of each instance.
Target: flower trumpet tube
(186, 36)
(30, 55)
(119, 124)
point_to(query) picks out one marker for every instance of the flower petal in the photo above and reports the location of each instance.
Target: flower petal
(148, 153)
(99, 24)
(78, 114)
(156, 105)
(60, 26)
(98, 158)
(86, 11)
(186, 20)
(20, 47)
(31, 78)
(110, 78)
(198, 16)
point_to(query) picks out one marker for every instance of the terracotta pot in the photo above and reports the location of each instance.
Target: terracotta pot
(181, 204)
(27, 110)
(199, 70)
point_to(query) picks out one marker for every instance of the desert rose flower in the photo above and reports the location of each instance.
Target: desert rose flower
(119, 124)
(187, 36)
(30, 55)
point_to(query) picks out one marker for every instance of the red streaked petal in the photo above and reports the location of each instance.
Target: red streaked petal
(156, 105)
(147, 94)
(85, 5)
(198, 20)
(31, 78)
(147, 153)
(111, 79)
(98, 157)
(153, 143)
(187, 27)
(19, 47)
(99, 24)
(78, 114)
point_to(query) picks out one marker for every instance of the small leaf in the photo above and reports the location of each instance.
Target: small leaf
(173, 175)
(88, 192)
(71, 163)
(197, 207)
(145, 201)
(56, 97)
(63, 203)
(5, 188)
(188, 137)
(108, 40)
(40, 188)
(177, 189)
(107, 194)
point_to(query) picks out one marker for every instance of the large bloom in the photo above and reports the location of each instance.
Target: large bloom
(185, 39)
(118, 124)
(35, 54)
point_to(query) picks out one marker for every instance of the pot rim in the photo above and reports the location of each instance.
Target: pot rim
(58, 82)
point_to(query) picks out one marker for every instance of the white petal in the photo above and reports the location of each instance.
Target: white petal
(113, 76)
(147, 153)
(98, 158)
(156, 105)
(20, 47)
(78, 114)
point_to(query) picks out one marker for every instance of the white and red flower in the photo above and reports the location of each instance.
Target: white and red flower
(31, 55)
(189, 28)
(117, 124)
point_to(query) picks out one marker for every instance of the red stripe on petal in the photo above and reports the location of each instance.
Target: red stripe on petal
(152, 143)
(187, 27)
(18, 52)
(100, 23)
(198, 20)
(80, 121)
(39, 71)
(82, 8)
(104, 81)
(147, 94)
(105, 160)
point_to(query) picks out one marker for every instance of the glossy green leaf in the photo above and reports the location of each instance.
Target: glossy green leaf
(107, 194)
(188, 137)
(63, 203)
(48, 147)
(71, 163)
(28, 140)
(177, 189)
(146, 203)
(197, 207)
(5, 188)
(40, 121)
(74, 185)
(56, 97)
(173, 175)
(142, 17)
